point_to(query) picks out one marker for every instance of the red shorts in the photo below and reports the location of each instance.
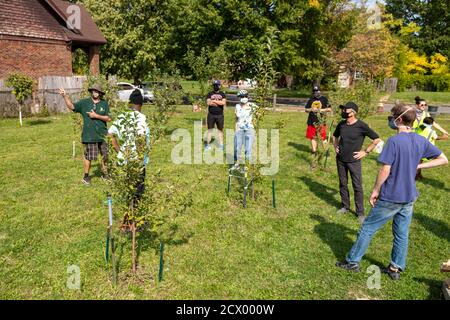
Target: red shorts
(311, 132)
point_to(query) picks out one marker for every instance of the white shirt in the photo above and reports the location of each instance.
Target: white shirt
(125, 128)
(245, 116)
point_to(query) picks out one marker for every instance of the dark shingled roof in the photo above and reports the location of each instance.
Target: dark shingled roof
(46, 19)
(89, 32)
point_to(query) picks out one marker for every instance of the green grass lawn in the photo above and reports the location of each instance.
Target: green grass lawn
(431, 97)
(50, 220)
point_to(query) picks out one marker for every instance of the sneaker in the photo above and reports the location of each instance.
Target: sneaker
(86, 180)
(207, 147)
(342, 210)
(348, 266)
(394, 274)
(235, 167)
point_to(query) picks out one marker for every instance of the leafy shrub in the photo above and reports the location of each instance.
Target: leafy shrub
(22, 86)
(364, 94)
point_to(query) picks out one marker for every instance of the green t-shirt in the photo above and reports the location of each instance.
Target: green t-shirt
(94, 130)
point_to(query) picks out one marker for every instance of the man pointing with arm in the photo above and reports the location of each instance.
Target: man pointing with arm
(95, 113)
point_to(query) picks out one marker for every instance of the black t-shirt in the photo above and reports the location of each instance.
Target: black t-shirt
(320, 103)
(352, 138)
(216, 96)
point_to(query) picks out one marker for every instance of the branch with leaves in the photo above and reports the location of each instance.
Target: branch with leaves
(22, 89)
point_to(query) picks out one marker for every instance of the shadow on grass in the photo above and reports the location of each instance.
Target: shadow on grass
(148, 241)
(300, 147)
(322, 191)
(434, 287)
(305, 151)
(439, 228)
(435, 184)
(334, 235)
(38, 122)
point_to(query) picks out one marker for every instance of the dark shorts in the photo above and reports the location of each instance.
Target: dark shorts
(91, 150)
(216, 119)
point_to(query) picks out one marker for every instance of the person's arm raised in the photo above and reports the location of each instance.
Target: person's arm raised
(67, 100)
(437, 126)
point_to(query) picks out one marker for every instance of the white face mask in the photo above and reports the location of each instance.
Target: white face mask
(244, 100)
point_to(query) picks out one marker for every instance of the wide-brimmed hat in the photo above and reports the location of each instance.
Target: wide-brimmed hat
(97, 88)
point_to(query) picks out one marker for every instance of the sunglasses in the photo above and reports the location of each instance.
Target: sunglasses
(423, 105)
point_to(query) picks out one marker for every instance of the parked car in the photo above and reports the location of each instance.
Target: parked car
(150, 86)
(125, 90)
(148, 94)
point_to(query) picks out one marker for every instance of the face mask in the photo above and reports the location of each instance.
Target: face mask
(216, 88)
(392, 124)
(316, 94)
(391, 120)
(345, 115)
(244, 100)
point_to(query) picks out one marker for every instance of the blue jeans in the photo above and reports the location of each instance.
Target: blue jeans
(243, 137)
(378, 216)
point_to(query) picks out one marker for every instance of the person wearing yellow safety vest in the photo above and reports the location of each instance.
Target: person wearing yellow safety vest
(426, 130)
(422, 113)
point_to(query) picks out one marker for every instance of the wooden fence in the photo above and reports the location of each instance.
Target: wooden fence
(47, 94)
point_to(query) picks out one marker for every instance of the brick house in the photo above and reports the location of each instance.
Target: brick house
(35, 38)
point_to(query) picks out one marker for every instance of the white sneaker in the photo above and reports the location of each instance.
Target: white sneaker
(235, 167)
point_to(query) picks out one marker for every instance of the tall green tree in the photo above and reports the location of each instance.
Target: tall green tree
(137, 32)
(433, 18)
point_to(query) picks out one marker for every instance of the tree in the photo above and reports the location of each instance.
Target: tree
(143, 35)
(154, 210)
(433, 18)
(364, 94)
(371, 52)
(206, 66)
(22, 89)
(137, 32)
(310, 33)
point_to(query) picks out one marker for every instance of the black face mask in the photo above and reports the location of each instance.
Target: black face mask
(345, 115)
(216, 88)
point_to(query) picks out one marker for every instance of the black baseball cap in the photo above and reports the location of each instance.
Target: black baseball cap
(350, 105)
(316, 88)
